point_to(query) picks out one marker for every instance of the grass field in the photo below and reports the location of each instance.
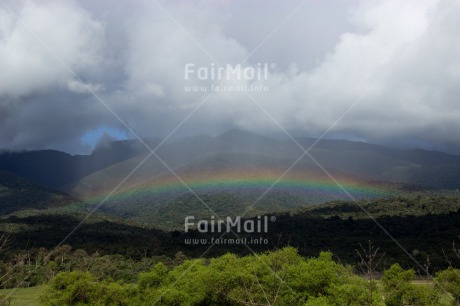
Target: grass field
(24, 296)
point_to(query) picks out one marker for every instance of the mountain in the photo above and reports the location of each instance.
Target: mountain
(243, 150)
(58, 169)
(416, 167)
(61, 170)
(234, 169)
(18, 193)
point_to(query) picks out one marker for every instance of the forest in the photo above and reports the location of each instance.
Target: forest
(328, 254)
(280, 277)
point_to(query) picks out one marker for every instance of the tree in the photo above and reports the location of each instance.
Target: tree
(449, 280)
(71, 288)
(399, 289)
(5, 240)
(370, 260)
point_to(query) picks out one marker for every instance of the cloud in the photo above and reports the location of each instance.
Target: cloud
(399, 71)
(396, 62)
(41, 42)
(80, 87)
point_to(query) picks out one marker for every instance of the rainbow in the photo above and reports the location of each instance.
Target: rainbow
(304, 184)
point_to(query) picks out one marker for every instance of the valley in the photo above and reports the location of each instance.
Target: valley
(239, 171)
(402, 201)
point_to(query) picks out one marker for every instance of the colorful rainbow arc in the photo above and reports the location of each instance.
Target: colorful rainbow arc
(299, 183)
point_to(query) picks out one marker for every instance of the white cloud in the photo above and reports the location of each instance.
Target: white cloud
(39, 41)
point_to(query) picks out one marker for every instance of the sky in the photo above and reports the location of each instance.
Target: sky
(72, 72)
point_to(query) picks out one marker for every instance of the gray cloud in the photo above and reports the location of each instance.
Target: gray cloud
(398, 61)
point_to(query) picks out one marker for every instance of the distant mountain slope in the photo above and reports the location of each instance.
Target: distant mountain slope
(236, 162)
(438, 176)
(231, 177)
(239, 149)
(174, 154)
(18, 193)
(58, 169)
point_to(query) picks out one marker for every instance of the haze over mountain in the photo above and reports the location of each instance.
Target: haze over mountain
(233, 169)
(239, 149)
(243, 150)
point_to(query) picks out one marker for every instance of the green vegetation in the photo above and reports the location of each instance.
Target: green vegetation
(18, 193)
(450, 280)
(23, 296)
(416, 204)
(109, 262)
(112, 262)
(403, 291)
(282, 277)
(133, 250)
(168, 212)
(38, 266)
(425, 224)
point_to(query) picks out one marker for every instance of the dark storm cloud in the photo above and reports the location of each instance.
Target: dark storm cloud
(399, 60)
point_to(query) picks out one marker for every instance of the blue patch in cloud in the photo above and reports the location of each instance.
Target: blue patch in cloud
(92, 137)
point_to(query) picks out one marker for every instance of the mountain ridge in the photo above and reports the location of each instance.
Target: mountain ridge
(206, 160)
